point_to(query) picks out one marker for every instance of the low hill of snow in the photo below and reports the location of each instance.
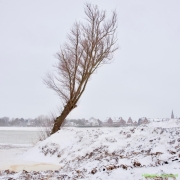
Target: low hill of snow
(107, 153)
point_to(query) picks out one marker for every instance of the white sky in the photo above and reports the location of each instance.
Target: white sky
(143, 79)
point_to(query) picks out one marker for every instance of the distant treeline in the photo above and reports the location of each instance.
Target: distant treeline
(39, 121)
(21, 122)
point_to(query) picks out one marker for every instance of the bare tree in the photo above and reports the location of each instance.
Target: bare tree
(45, 125)
(90, 44)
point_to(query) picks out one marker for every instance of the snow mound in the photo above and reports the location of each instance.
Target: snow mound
(107, 153)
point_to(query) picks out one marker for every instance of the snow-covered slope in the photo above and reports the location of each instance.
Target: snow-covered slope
(108, 153)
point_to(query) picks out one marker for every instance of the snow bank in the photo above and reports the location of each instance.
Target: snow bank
(106, 153)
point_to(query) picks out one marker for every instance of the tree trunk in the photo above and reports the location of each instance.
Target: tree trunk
(59, 120)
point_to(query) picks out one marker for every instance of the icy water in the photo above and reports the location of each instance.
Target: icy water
(14, 141)
(18, 136)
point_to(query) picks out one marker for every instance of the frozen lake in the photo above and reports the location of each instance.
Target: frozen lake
(18, 135)
(14, 141)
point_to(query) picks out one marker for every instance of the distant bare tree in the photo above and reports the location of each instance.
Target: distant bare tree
(45, 126)
(90, 45)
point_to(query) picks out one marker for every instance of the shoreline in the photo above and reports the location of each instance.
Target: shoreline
(30, 167)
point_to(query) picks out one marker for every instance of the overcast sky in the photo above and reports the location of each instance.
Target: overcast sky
(143, 79)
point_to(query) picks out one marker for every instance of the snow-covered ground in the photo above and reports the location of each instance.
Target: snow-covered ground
(103, 153)
(8, 154)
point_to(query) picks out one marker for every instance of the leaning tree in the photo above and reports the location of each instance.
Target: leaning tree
(89, 45)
